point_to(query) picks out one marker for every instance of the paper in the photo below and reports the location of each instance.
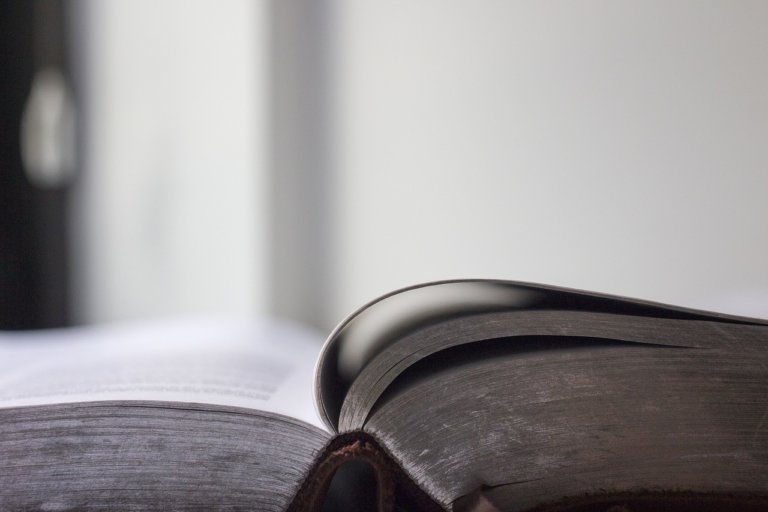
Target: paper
(242, 363)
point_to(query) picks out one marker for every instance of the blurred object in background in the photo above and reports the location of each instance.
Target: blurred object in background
(37, 164)
(297, 158)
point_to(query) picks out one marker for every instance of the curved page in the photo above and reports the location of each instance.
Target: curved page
(240, 363)
(380, 340)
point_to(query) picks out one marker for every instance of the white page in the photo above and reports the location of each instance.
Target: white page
(242, 363)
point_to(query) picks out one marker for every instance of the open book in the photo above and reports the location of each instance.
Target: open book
(460, 395)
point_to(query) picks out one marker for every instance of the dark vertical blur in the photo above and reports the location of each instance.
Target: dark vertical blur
(33, 252)
(301, 183)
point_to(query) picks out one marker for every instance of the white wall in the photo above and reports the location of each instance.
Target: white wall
(615, 146)
(171, 214)
(302, 157)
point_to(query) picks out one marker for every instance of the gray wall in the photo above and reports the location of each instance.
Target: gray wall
(616, 146)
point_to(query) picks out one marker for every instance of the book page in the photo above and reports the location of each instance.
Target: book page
(241, 363)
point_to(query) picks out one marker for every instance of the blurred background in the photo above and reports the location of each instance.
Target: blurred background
(298, 158)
